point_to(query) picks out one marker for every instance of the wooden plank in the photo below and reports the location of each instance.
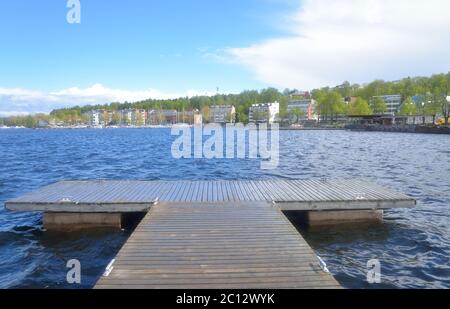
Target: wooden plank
(216, 247)
(137, 196)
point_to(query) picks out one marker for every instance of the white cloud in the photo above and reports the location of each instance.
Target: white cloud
(20, 101)
(330, 41)
(99, 93)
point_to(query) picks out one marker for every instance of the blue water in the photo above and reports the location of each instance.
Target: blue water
(413, 246)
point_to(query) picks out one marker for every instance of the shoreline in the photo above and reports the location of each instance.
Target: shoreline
(416, 129)
(352, 128)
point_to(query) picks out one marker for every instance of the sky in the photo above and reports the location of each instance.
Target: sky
(139, 49)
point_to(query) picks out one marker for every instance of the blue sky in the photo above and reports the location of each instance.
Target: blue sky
(130, 44)
(138, 49)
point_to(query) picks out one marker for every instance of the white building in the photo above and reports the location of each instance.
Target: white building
(264, 112)
(94, 118)
(393, 102)
(126, 116)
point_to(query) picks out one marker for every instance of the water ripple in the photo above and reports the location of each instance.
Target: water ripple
(413, 246)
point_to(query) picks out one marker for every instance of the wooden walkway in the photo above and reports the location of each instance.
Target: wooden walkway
(212, 234)
(139, 196)
(216, 247)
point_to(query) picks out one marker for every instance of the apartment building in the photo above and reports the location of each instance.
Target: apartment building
(264, 112)
(307, 107)
(393, 102)
(222, 114)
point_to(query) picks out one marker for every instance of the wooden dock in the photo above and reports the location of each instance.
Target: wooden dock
(139, 196)
(216, 247)
(212, 234)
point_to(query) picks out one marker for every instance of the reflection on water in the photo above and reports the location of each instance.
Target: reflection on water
(413, 246)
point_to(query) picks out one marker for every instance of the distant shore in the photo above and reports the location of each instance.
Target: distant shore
(355, 128)
(401, 129)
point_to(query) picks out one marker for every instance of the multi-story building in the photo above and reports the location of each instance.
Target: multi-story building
(140, 117)
(187, 116)
(306, 106)
(170, 116)
(222, 114)
(126, 116)
(100, 117)
(162, 117)
(393, 102)
(133, 117)
(264, 112)
(94, 118)
(106, 117)
(296, 94)
(153, 117)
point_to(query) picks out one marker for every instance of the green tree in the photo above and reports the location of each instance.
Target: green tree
(298, 113)
(283, 115)
(259, 116)
(329, 104)
(359, 107)
(345, 89)
(115, 118)
(434, 88)
(206, 114)
(408, 108)
(269, 95)
(378, 106)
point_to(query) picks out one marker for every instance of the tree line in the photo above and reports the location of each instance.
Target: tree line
(419, 96)
(429, 94)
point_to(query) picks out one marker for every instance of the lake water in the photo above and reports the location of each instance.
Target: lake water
(412, 245)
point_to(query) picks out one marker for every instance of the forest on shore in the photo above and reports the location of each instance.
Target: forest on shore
(420, 96)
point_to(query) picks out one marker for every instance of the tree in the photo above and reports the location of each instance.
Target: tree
(269, 95)
(408, 108)
(378, 106)
(339, 106)
(298, 113)
(219, 100)
(329, 103)
(241, 117)
(283, 115)
(259, 116)
(359, 107)
(161, 118)
(319, 96)
(140, 120)
(432, 90)
(206, 113)
(345, 89)
(287, 92)
(115, 118)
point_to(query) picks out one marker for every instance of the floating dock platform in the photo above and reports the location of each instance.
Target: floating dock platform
(212, 234)
(140, 196)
